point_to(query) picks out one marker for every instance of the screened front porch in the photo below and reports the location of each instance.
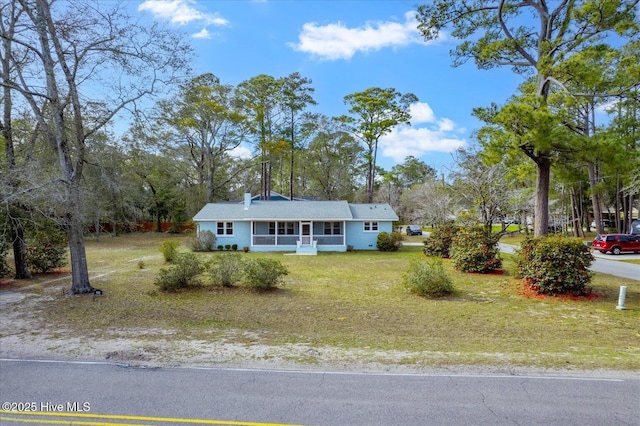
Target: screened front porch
(293, 234)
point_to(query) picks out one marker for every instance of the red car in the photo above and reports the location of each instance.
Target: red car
(616, 243)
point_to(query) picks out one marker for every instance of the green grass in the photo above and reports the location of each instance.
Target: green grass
(356, 301)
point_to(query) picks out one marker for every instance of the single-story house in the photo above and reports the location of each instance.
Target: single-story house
(305, 227)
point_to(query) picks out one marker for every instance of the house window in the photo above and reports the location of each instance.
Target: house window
(371, 226)
(225, 228)
(286, 228)
(333, 228)
(272, 228)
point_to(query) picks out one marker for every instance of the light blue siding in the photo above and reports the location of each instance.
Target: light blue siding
(365, 240)
(355, 236)
(241, 233)
(277, 225)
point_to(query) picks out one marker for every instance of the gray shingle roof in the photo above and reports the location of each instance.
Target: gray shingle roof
(295, 210)
(372, 212)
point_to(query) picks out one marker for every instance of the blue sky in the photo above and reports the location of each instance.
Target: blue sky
(344, 47)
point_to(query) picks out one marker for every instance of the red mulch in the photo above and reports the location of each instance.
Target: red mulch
(496, 272)
(531, 293)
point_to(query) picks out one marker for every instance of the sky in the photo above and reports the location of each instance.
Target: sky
(345, 47)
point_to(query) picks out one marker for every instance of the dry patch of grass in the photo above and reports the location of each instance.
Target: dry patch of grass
(350, 301)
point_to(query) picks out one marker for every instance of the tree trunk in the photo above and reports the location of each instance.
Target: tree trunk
(576, 211)
(541, 209)
(70, 176)
(79, 269)
(595, 197)
(370, 177)
(291, 178)
(19, 251)
(16, 228)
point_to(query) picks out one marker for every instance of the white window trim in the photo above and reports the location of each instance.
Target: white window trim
(332, 228)
(371, 223)
(225, 227)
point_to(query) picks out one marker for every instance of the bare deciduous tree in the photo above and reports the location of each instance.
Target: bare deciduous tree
(85, 56)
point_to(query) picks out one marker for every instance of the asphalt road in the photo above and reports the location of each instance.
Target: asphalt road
(100, 393)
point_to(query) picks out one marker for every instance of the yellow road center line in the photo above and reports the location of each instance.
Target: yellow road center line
(126, 417)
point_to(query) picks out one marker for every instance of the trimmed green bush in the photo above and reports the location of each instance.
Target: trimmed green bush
(439, 241)
(225, 269)
(184, 273)
(555, 265)
(169, 250)
(427, 277)
(46, 250)
(475, 250)
(204, 241)
(263, 273)
(389, 242)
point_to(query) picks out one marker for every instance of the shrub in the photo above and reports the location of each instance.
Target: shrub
(46, 250)
(427, 277)
(389, 242)
(204, 241)
(183, 274)
(439, 241)
(220, 247)
(4, 252)
(169, 250)
(225, 269)
(245, 249)
(227, 246)
(234, 247)
(555, 265)
(263, 274)
(475, 250)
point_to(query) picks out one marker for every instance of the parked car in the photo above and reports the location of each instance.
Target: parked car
(635, 227)
(414, 230)
(553, 227)
(510, 221)
(616, 243)
(606, 223)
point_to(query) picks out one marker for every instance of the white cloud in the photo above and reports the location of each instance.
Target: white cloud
(240, 152)
(440, 135)
(202, 34)
(336, 41)
(421, 112)
(180, 12)
(446, 125)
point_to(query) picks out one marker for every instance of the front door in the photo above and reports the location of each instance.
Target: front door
(305, 233)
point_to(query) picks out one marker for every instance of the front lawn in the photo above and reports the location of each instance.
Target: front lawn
(352, 301)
